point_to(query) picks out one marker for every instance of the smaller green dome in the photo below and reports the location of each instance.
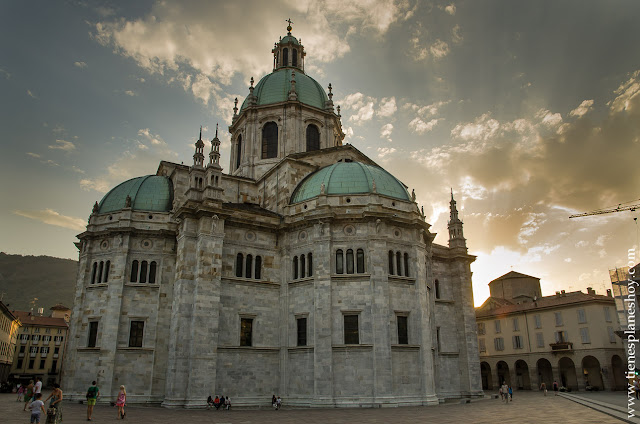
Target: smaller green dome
(274, 88)
(153, 193)
(290, 39)
(349, 178)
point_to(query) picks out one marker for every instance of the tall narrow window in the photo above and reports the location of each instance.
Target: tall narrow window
(406, 264)
(302, 331)
(93, 334)
(285, 57)
(313, 138)
(538, 321)
(107, 267)
(238, 151)
(438, 339)
(390, 262)
(398, 263)
(134, 272)
(248, 266)
(270, 140)
(136, 333)
(360, 261)
(339, 262)
(143, 272)
(437, 284)
(258, 273)
(246, 330)
(403, 333)
(239, 261)
(152, 272)
(295, 267)
(351, 335)
(349, 261)
(303, 264)
(93, 272)
(539, 340)
(100, 272)
(294, 57)
(310, 265)
(558, 318)
(582, 317)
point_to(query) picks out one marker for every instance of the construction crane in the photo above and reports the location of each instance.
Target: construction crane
(619, 208)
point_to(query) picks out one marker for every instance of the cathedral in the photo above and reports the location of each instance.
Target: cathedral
(305, 271)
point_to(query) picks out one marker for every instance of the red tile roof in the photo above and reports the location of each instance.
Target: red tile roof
(28, 319)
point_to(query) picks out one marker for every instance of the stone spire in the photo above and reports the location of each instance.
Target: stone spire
(214, 155)
(456, 237)
(198, 157)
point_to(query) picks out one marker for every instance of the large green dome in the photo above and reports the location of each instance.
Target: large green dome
(349, 178)
(153, 193)
(274, 88)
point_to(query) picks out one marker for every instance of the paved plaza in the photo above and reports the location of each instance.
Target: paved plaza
(527, 407)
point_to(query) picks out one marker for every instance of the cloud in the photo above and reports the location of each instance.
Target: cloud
(627, 94)
(418, 126)
(67, 146)
(80, 65)
(362, 105)
(456, 35)
(130, 93)
(30, 94)
(450, 9)
(582, 110)
(6, 73)
(386, 130)
(384, 151)
(51, 217)
(439, 49)
(148, 149)
(34, 155)
(387, 107)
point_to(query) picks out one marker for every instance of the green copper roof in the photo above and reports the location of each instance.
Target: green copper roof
(290, 39)
(349, 178)
(153, 193)
(274, 88)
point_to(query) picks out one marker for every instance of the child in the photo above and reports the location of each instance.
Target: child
(510, 393)
(37, 406)
(122, 399)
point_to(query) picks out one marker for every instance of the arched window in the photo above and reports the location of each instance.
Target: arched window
(248, 266)
(437, 284)
(143, 272)
(398, 263)
(360, 261)
(294, 57)
(302, 266)
(390, 262)
(134, 272)
(313, 138)
(406, 264)
(278, 58)
(100, 271)
(258, 273)
(270, 140)
(239, 259)
(310, 260)
(349, 261)
(93, 272)
(152, 272)
(107, 266)
(339, 262)
(238, 151)
(295, 267)
(285, 57)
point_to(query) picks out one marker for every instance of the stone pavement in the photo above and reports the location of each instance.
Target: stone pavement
(527, 407)
(614, 404)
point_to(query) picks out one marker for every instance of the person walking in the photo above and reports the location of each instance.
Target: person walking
(37, 388)
(20, 392)
(121, 401)
(92, 396)
(510, 394)
(37, 406)
(28, 394)
(56, 402)
(505, 392)
(555, 388)
(543, 387)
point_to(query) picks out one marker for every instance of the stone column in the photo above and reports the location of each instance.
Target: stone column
(427, 330)
(195, 314)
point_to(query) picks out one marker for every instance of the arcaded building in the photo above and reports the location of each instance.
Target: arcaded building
(306, 270)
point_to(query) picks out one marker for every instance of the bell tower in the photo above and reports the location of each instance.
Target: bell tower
(456, 237)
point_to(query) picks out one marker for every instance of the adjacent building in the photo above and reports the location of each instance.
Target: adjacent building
(9, 325)
(306, 270)
(526, 339)
(41, 345)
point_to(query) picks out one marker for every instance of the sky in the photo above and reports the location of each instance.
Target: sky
(529, 111)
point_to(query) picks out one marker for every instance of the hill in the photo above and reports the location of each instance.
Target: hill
(51, 280)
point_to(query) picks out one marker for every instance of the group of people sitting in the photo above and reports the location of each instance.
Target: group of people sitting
(219, 401)
(276, 402)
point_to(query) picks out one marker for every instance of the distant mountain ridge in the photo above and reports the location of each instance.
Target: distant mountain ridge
(51, 280)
